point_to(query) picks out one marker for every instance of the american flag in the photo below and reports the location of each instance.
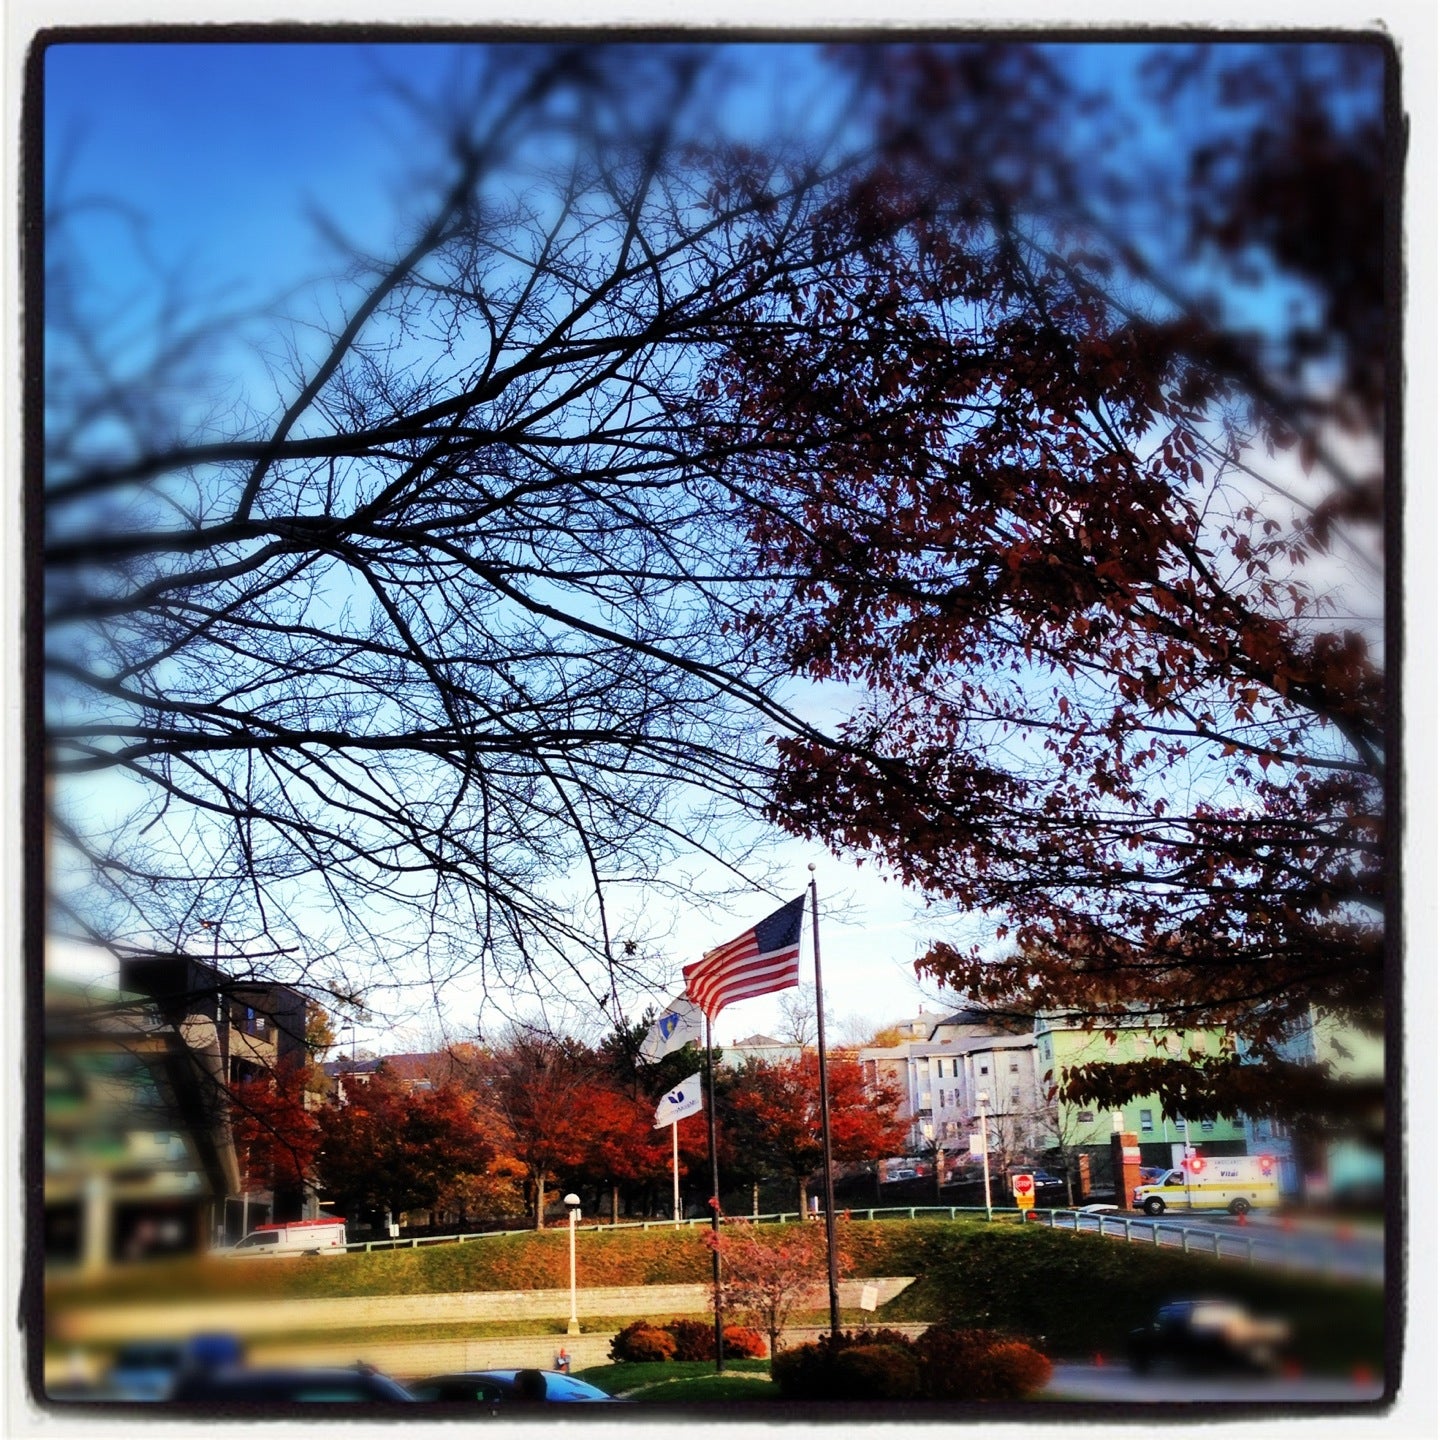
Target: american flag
(763, 959)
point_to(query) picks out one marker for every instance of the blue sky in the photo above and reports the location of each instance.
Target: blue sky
(225, 150)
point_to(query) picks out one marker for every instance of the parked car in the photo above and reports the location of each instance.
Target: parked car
(507, 1388)
(294, 1385)
(145, 1370)
(150, 1369)
(1208, 1334)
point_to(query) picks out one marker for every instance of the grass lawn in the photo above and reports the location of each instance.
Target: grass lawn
(684, 1381)
(1073, 1295)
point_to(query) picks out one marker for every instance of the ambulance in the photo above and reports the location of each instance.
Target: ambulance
(1237, 1183)
(292, 1237)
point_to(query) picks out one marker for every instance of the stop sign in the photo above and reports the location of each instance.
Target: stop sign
(1024, 1184)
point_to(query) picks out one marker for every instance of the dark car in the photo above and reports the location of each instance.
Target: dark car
(1044, 1180)
(507, 1388)
(1208, 1335)
(296, 1385)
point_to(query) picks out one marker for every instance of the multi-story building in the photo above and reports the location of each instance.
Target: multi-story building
(234, 1030)
(939, 1074)
(133, 1164)
(1063, 1042)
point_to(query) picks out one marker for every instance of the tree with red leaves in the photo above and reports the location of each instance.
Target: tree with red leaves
(542, 1086)
(624, 1148)
(391, 1148)
(765, 1275)
(771, 1116)
(275, 1136)
(1076, 476)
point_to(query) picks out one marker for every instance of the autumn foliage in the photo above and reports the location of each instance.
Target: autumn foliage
(276, 1138)
(772, 1117)
(1090, 520)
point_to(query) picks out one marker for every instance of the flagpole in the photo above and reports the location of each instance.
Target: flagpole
(831, 1265)
(675, 1166)
(714, 1198)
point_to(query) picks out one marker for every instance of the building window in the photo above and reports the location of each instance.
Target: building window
(1087, 1117)
(1014, 1097)
(984, 1069)
(1207, 1125)
(1147, 1119)
(1014, 1067)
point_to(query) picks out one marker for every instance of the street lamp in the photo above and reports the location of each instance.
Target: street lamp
(982, 1099)
(573, 1201)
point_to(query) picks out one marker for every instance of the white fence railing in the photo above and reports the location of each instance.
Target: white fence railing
(1339, 1255)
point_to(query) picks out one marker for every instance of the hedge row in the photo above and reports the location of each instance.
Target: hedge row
(942, 1364)
(682, 1340)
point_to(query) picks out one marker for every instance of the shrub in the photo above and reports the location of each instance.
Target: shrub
(814, 1371)
(1009, 1371)
(874, 1372)
(960, 1364)
(642, 1341)
(743, 1343)
(802, 1373)
(694, 1339)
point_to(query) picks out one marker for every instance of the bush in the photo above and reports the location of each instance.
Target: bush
(802, 1373)
(694, 1339)
(1009, 1371)
(642, 1341)
(809, 1371)
(742, 1342)
(960, 1364)
(874, 1372)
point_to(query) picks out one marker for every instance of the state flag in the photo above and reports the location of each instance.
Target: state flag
(679, 1023)
(764, 959)
(685, 1099)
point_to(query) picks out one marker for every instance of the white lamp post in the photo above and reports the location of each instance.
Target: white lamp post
(573, 1201)
(982, 1099)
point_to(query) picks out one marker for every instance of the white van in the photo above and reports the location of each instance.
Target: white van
(1237, 1183)
(293, 1237)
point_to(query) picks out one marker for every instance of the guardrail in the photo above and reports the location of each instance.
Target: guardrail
(783, 1217)
(1331, 1257)
(1339, 1255)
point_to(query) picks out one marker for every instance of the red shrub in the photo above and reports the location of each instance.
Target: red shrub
(874, 1372)
(642, 1341)
(978, 1365)
(694, 1339)
(743, 1343)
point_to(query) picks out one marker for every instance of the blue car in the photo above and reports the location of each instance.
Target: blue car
(507, 1388)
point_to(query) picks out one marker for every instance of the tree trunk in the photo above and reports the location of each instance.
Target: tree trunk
(804, 1199)
(540, 1202)
(614, 1204)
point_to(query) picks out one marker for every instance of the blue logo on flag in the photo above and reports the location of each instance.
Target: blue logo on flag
(668, 1023)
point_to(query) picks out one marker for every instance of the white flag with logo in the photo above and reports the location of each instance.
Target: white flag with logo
(680, 1022)
(685, 1099)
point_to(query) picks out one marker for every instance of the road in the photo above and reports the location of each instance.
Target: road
(1334, 1248)
(1117, 1385)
